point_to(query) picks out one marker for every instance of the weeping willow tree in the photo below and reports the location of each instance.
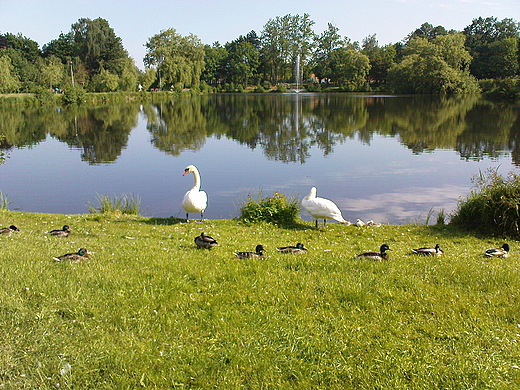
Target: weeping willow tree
(179, 60)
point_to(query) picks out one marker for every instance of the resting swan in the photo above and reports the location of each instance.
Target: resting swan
(194, 201)
(322, 208)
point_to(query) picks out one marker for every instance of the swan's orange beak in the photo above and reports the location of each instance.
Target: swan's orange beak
(185, 172)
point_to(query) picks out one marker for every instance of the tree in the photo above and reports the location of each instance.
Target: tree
(98, 46)
(24, 54)
(179, 60)
(427, 31)
(9, 81)
(493, 47)
(283, 39)
(381, 59)
(214, 59)
(325, 44)
(432, 67)
(147, 78)
(241, 62)
(52, 71)
(497, 59)
(349, 69)
(105, 81)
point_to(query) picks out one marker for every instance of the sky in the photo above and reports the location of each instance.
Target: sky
(136, 21)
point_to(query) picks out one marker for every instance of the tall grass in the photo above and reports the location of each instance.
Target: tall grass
(124, 204)
(4, 201)
(275, 209)
(493, 207)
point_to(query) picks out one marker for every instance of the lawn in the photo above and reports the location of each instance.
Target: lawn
(149, 309)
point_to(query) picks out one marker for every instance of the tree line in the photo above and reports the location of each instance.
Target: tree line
(430, 59)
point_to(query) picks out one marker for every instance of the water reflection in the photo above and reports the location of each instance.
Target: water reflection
(285, 126)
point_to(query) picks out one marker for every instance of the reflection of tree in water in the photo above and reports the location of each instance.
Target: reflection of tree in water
(489, 128)
(285, 126)
(23, 127)
(177, 125)
(102, 133)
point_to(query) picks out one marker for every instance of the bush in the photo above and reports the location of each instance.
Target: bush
(494, 207)
(44, 96)
(125, 204)
(275, 209)
(75, 95)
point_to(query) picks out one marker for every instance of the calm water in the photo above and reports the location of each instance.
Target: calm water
(391, 159)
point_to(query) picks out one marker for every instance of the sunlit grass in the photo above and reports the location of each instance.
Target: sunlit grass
(125, 204)
(4, 201)
(149, 309)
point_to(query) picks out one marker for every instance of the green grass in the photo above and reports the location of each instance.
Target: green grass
(151, 310)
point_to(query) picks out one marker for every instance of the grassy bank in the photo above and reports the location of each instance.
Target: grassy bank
(151, 310)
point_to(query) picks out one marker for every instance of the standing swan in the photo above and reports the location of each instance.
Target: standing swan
(194, 201)
(322, 208)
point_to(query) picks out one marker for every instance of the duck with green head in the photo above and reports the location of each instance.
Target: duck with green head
(81, 254)
(64, 232)
(378, 256)
(259, 252)
(298, 249)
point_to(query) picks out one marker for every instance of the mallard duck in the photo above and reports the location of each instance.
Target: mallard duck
(206, 242)
(498, 252)
(195, 201)
(437, 251)
(61, 232)
(381, 255)
(299, 248)
(9, 230)
(322, 208)
(259, 252)
(81, 254)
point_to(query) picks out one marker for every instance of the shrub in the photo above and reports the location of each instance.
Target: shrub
(44, 96)
(492, 208)
(275, 209)
(124, 204)
(75, 95)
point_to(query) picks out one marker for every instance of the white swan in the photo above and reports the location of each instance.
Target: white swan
(322, 208)
(194, 201)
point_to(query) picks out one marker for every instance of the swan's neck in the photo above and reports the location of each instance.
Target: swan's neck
(196, 179)
(312, 194)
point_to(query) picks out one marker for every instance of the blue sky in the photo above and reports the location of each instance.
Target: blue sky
(135, 21)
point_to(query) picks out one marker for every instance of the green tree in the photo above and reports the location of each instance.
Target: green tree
(9, 81)
(381, 59)
(497, 59)
(427, 31)
(283, 39)
(491, 43)
(98, 46)
(105, 81)
(179, 60)
(214, 59)
(349, 69)
(241, 62)
(325, 44)
(52, 71)
(436, 66)
(147, 78)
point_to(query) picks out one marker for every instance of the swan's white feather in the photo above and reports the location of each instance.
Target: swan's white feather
(322, 208)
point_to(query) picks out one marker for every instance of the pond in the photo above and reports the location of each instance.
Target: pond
(393, 159)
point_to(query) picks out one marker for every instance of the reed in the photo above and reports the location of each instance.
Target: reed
(124, 204)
